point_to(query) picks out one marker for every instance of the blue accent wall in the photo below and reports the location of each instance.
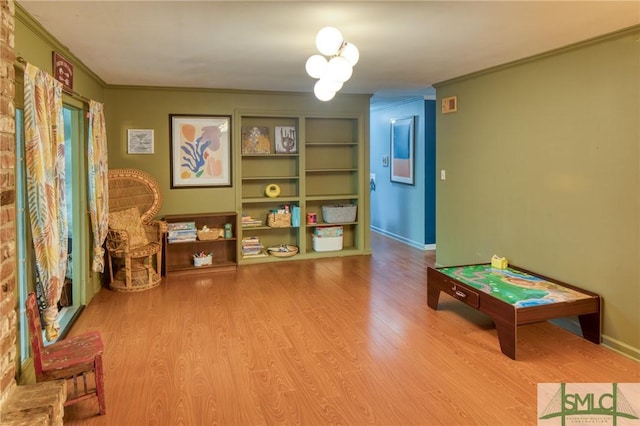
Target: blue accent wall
(404, 212)
(430, 172)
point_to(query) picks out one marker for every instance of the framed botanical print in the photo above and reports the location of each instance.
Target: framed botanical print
(200, 150)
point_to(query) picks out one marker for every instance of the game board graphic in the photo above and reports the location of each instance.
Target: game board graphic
(512, 286)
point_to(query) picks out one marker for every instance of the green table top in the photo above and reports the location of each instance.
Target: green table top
(512, 286)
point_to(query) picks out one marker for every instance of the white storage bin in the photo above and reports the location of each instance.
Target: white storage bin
(327, 243)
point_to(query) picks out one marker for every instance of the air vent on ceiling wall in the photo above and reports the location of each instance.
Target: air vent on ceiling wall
(449, 104)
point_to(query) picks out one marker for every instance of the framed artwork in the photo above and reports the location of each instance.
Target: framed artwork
(402, 150)
(140, 141)
(200, 150)
(286, 140)
(255, 140)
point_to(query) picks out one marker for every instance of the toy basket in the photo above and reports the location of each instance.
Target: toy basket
(202, 261)
(211, 234)
(283, 250)
(339, 213)
(279, 220)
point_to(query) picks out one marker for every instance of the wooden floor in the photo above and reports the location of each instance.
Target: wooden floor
(346, 341)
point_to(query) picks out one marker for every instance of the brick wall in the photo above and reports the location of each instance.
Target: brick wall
(8, 314)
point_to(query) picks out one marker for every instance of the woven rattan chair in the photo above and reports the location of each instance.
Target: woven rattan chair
(131, 257)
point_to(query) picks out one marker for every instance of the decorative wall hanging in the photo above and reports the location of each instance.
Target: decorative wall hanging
(200, 151)
(140, 141)
(255, 140)
(286, 140)
(402, 150)
(63, 72)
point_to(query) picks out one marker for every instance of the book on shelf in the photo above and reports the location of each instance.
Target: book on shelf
(251, 244)
(261, 253)
(182, 233)
(181, 240)
(179, 226)
(252, 248)
(253, 224)
(248, 221)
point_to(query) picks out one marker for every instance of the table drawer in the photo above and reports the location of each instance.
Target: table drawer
(463, 294)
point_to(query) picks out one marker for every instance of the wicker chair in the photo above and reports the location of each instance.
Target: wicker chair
(132, 246)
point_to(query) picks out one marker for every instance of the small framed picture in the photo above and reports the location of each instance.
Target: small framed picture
(140, 141)
(255, 140)
(286, 140)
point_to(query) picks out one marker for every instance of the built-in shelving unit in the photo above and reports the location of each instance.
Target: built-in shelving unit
(325, 169)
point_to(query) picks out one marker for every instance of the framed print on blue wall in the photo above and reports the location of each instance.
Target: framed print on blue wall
(402, 150)
(200, 151)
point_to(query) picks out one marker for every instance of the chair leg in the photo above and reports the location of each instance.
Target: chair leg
(110, 267)
(100, 384)
(127, 272)
(159, 263)
(151, 270)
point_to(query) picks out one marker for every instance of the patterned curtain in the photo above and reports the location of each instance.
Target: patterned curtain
(98, 182)
(44, 154)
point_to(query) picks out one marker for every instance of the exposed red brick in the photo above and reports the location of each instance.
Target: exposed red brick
(7, 197)
(7, 160)
(7, 107)
(7, 141)
(7, 202)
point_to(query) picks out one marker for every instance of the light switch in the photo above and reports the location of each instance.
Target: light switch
(443, 174)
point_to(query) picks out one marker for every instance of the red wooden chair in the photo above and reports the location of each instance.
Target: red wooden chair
(69, 359)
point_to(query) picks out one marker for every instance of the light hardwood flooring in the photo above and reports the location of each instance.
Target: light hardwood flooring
(346, 341)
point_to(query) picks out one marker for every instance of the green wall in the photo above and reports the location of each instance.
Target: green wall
(542, 165)
(149, 108)
(36, 45)
(140, 108)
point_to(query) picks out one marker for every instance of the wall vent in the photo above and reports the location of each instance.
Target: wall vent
(449, 104)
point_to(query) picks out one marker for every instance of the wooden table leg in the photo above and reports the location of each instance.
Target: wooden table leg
(433, 296)
(590, 324)
(507, 336)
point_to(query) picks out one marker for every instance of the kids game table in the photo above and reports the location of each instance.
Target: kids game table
(515, 296)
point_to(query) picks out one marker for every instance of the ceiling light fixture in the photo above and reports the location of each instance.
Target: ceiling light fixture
(337, 69)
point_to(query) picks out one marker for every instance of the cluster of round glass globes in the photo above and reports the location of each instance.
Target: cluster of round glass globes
(332, 73)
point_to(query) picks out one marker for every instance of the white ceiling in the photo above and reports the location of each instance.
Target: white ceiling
(405, 46)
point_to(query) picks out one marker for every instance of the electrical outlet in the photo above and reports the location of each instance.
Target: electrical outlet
(443, 174)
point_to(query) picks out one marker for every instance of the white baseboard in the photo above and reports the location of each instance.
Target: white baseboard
(404, 240)
(621, 348)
